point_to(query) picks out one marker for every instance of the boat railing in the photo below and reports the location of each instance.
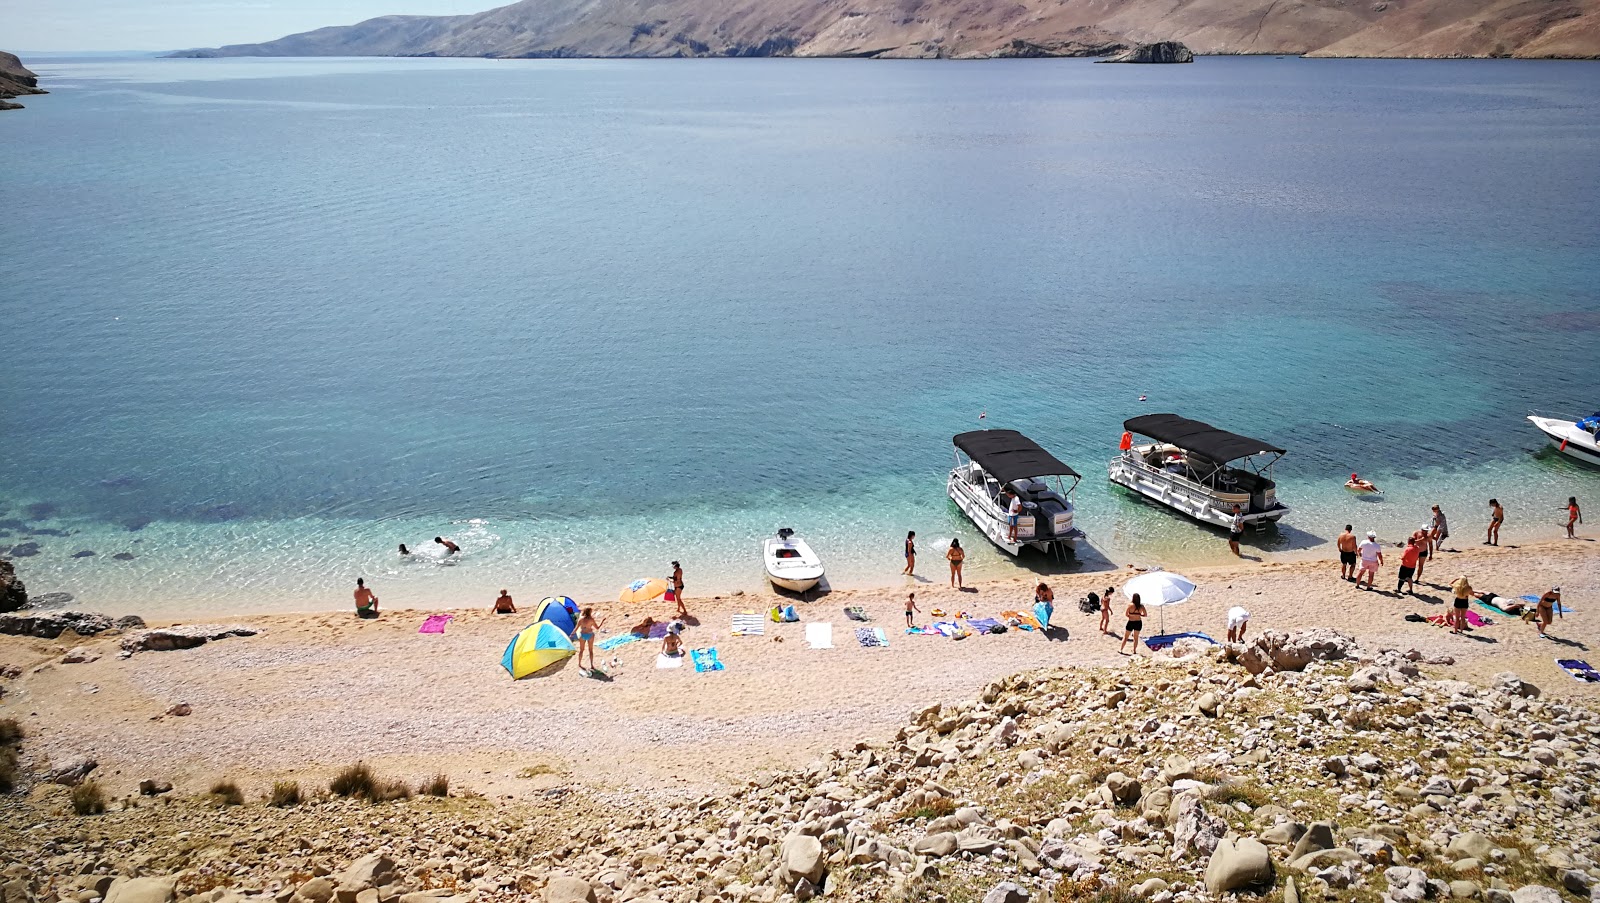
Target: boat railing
(1220, 496)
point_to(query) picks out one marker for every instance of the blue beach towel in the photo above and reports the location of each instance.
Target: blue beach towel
(706, 660)
(1579, 669)
(982, 625)
(1561, 609)
(1162, 641)
(883, 638)
(621, 639)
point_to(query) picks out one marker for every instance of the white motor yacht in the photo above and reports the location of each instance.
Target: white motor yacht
(993, 465)
(790, 562)
(1190, 469)
(1579, 439)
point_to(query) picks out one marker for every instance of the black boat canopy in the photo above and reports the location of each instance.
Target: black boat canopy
(1201, 438)
(1008, 455)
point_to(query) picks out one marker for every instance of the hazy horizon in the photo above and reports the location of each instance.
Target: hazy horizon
(91, 26)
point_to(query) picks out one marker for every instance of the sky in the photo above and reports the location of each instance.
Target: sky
(55, 25)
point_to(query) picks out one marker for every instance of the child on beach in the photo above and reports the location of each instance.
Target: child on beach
(911, 606)
(1497, 516)
(1574, 516)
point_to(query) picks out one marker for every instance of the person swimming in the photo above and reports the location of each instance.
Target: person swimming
(450, 548)
(404, 552)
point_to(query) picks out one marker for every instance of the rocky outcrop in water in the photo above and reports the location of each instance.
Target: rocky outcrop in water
(16, 81)
(1159, 52)
(13, 595)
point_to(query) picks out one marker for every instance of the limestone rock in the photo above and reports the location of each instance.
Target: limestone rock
(154, 788)
(1536, 893)
(1006, 892)
(80, 655)
(802, 857)
(1406, 884)
(72, 772)
(1124, 790)
(567, 889)
(941, 844)
(1317, 837)
(1473, 844)
(49, 625)
(185, 637)
(145, 890)
(1158, 52)
(1207, 704)
(1238, 864)
(317, 890)
(1194, 830)
(13, 595)
(371, 870)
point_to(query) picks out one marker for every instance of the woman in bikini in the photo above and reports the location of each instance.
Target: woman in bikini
(956, 555)
(1457, 616)
(1546, 609)
(1497, 516)
(1105, 610)
(1574, 516)
(911, 553)
(587, 628)
(1135, 624)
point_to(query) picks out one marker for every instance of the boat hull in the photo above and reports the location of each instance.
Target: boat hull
(1565, 437)
(1189, 501)
(792, 584)
(796, 574)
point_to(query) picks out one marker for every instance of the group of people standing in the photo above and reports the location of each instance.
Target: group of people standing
(955, 555)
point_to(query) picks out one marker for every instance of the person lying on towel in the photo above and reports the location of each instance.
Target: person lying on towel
(643, 627)
(1509, 606)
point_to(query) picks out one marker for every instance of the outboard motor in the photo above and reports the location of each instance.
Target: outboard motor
(784, 533)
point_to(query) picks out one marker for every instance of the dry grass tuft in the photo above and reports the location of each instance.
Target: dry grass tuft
(438, 785)
(284, 794)
(355, 781)
(227, 793)
(88, 799)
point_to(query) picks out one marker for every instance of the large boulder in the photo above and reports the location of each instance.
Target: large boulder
(1235, 865)
(1276, 650)
(1406, 884)
(1317, 837)
(144, 890)
(1536, 893)
(48, 626)
(567, 889)
(72, 772)
(371, 870)
(941, 844)
(166, 639)
(1194, 830)
(1472, 844)
(1158, 52)
(13, 595)
(802, 857)
(1006, 892)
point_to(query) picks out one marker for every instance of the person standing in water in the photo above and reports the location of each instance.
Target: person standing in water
(1236, 532)
(366, 602)
(450, 548)
(1130, 630)
(956, 555)
(1347, 553)
(911, 554)
(1497, 516)
(1440, 528)
(404, 552)
(1574, 516)
(587, 628)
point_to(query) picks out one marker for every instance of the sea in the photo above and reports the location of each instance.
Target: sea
(263, 320)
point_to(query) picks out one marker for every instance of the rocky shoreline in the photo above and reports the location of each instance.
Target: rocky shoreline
(16, 81)
(1298, 767)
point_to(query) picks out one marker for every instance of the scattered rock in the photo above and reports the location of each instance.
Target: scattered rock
(72, 772)
(50, 600)
(802, 857)
(1406, 884)
(48, 626)
(1207, 704)
(154, 788)
(1006, 892)
(567, 889)
(144, 890)
(80, 655)
(169, 638)
(940, 845)
(123, 556)
(1236, 865)
(181, 710)
(84, 553)
(1536, 893)
(13, 595)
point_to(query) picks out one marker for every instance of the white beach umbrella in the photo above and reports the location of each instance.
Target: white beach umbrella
(1158, 589)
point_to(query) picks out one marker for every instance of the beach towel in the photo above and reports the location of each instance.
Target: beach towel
(621, 639)
(1163, 640)
(819, 635)
(1579, 669)
(1018, 619)
(1042, 612)
(946, 628)
(921, 631)
(1473, 620)
(856, 613)
(435, 624)
(749, 624)
(669, 661)
(1495, 608)
(868, 637)
(1560, 609)
(659, 631)
(883, 638)
(983, 625)
(706, 660)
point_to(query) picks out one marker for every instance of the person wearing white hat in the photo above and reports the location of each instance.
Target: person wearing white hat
(1371, 559)
(1549, 605)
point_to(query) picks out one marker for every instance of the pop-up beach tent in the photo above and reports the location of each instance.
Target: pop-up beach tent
(536, 647)
(560, 611)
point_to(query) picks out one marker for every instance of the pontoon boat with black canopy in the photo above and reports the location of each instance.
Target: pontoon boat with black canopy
(1187, 468)
(990, 462)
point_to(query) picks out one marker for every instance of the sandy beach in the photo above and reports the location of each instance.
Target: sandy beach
(313, 692)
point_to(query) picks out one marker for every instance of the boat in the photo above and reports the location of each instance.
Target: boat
(1199, 470)
(791, 564)
(989, 463)
(1577, 439)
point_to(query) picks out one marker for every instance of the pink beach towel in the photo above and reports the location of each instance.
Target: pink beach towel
(435, 624)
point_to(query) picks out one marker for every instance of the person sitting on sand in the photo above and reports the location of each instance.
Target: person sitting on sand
(1135, 613)
(404, 551)
(450, 548)
(1238, 620)
(1549, 604)
(643, 627)
(672, 645)
(504, 605)
(366, 602)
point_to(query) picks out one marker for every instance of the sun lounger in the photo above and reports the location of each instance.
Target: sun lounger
(819, 635)
(1579, 669)
(1163, 640)
(749, 624)
(856, 613)
(622, 639)
(706, 660)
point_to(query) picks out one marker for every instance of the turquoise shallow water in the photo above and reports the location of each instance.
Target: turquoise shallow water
(265, 319)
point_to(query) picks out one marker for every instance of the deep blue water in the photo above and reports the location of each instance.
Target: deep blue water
(266, 318)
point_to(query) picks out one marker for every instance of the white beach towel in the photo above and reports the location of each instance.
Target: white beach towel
(670, 661)
(819, 635)
(749, 624)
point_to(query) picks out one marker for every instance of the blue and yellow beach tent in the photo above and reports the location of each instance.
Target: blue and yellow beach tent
(537, 647)
(560, 611)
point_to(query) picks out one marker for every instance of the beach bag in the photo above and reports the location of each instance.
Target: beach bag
(1089, 604)
(776, 614)
(789, 613)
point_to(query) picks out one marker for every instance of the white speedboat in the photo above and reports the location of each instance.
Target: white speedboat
(1189, 468)
(1579, 439)
(991, 467)
(790, 562)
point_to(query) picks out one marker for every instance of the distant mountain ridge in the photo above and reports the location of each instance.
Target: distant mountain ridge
(964, 29)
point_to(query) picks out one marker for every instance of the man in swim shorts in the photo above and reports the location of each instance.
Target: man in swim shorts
(1408, 566)
(450, 548)
(366, 602)
(1347, 553)
(911, 606)
(1238, 620)
(1371, 559)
